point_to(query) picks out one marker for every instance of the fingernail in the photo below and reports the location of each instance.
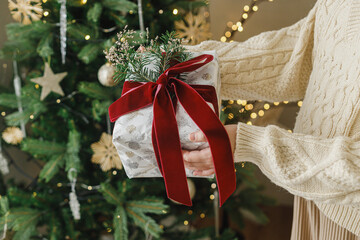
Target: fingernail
(192, 136)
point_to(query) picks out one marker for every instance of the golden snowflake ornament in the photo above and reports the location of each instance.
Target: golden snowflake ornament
(194, 29)
(105, 153)
(12, 135)
(26, 11)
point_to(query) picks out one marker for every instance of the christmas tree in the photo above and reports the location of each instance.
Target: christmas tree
(57, 114)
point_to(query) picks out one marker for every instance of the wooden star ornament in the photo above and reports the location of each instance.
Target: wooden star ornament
(50, 82)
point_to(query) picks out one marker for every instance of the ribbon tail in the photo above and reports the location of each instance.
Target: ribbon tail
(169, 148)
(156, 148)
(216, 135)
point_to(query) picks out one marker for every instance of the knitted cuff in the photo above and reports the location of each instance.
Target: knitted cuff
(248, 146)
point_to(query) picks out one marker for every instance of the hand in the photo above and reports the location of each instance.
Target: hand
(201, 160)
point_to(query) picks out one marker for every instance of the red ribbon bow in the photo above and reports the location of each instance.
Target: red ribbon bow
(165, 134)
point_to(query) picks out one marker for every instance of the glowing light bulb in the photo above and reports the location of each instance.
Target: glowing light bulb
(175, 11)
(87, 37)
(246, 8)
(161, 11)
(255, 8)
(46, 13)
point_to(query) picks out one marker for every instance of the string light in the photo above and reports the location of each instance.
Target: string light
(286, 102)
(87, 37)
(59, 184)
(253, 115)
(131, 12)
(289, 131)
(202, 215)
(190, 212)
(231, 116)
(212, 197)
(3, 114)
(34, 194)
(175, 11)
(89, 188)
(276, 103)
(231, 102)
(228, 34)
(161, 11)
(213, 185)
(44, 1)
(31, 116)
(46, 13)
(58, 101)
(186, 222)
(83, 1)
(249, 123)
(247, 11)
(37, 86)
(161, 226)
(230, 24)
(261, 113)
(266, 106)
(300, 103)
(114, 172)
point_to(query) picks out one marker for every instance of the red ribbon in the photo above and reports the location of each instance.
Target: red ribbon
(165, 134)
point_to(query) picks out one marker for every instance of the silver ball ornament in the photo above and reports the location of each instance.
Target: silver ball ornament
(105, 75)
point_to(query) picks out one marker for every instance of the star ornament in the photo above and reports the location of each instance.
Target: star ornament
(50, 82)
(105, 153)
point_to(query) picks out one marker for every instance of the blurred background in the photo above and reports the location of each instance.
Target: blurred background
(221, 15)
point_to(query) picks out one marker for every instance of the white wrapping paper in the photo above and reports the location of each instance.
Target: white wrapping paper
(132, 132)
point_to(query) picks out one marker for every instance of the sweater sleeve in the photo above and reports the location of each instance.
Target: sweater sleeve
(272, 66)
(326, 170)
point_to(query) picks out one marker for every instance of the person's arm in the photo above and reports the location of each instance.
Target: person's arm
(272, 66)
(326, 170)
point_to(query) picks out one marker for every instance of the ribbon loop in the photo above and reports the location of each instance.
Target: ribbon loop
(165, 133)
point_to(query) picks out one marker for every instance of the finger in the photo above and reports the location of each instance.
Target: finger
(204, 173)
(197, 137)
(198, 166)
(203, 155)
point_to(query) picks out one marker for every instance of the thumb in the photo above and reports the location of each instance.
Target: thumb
(197, 137)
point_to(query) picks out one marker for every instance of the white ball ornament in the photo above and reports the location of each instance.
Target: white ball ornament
(105, 75)
(192, 190)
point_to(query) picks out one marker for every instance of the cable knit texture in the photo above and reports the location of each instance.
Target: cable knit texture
(318, 60)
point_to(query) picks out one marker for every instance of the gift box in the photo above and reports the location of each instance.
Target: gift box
(153, 121)
(132, 132)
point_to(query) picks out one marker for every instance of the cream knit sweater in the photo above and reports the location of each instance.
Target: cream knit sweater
(317, 60)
